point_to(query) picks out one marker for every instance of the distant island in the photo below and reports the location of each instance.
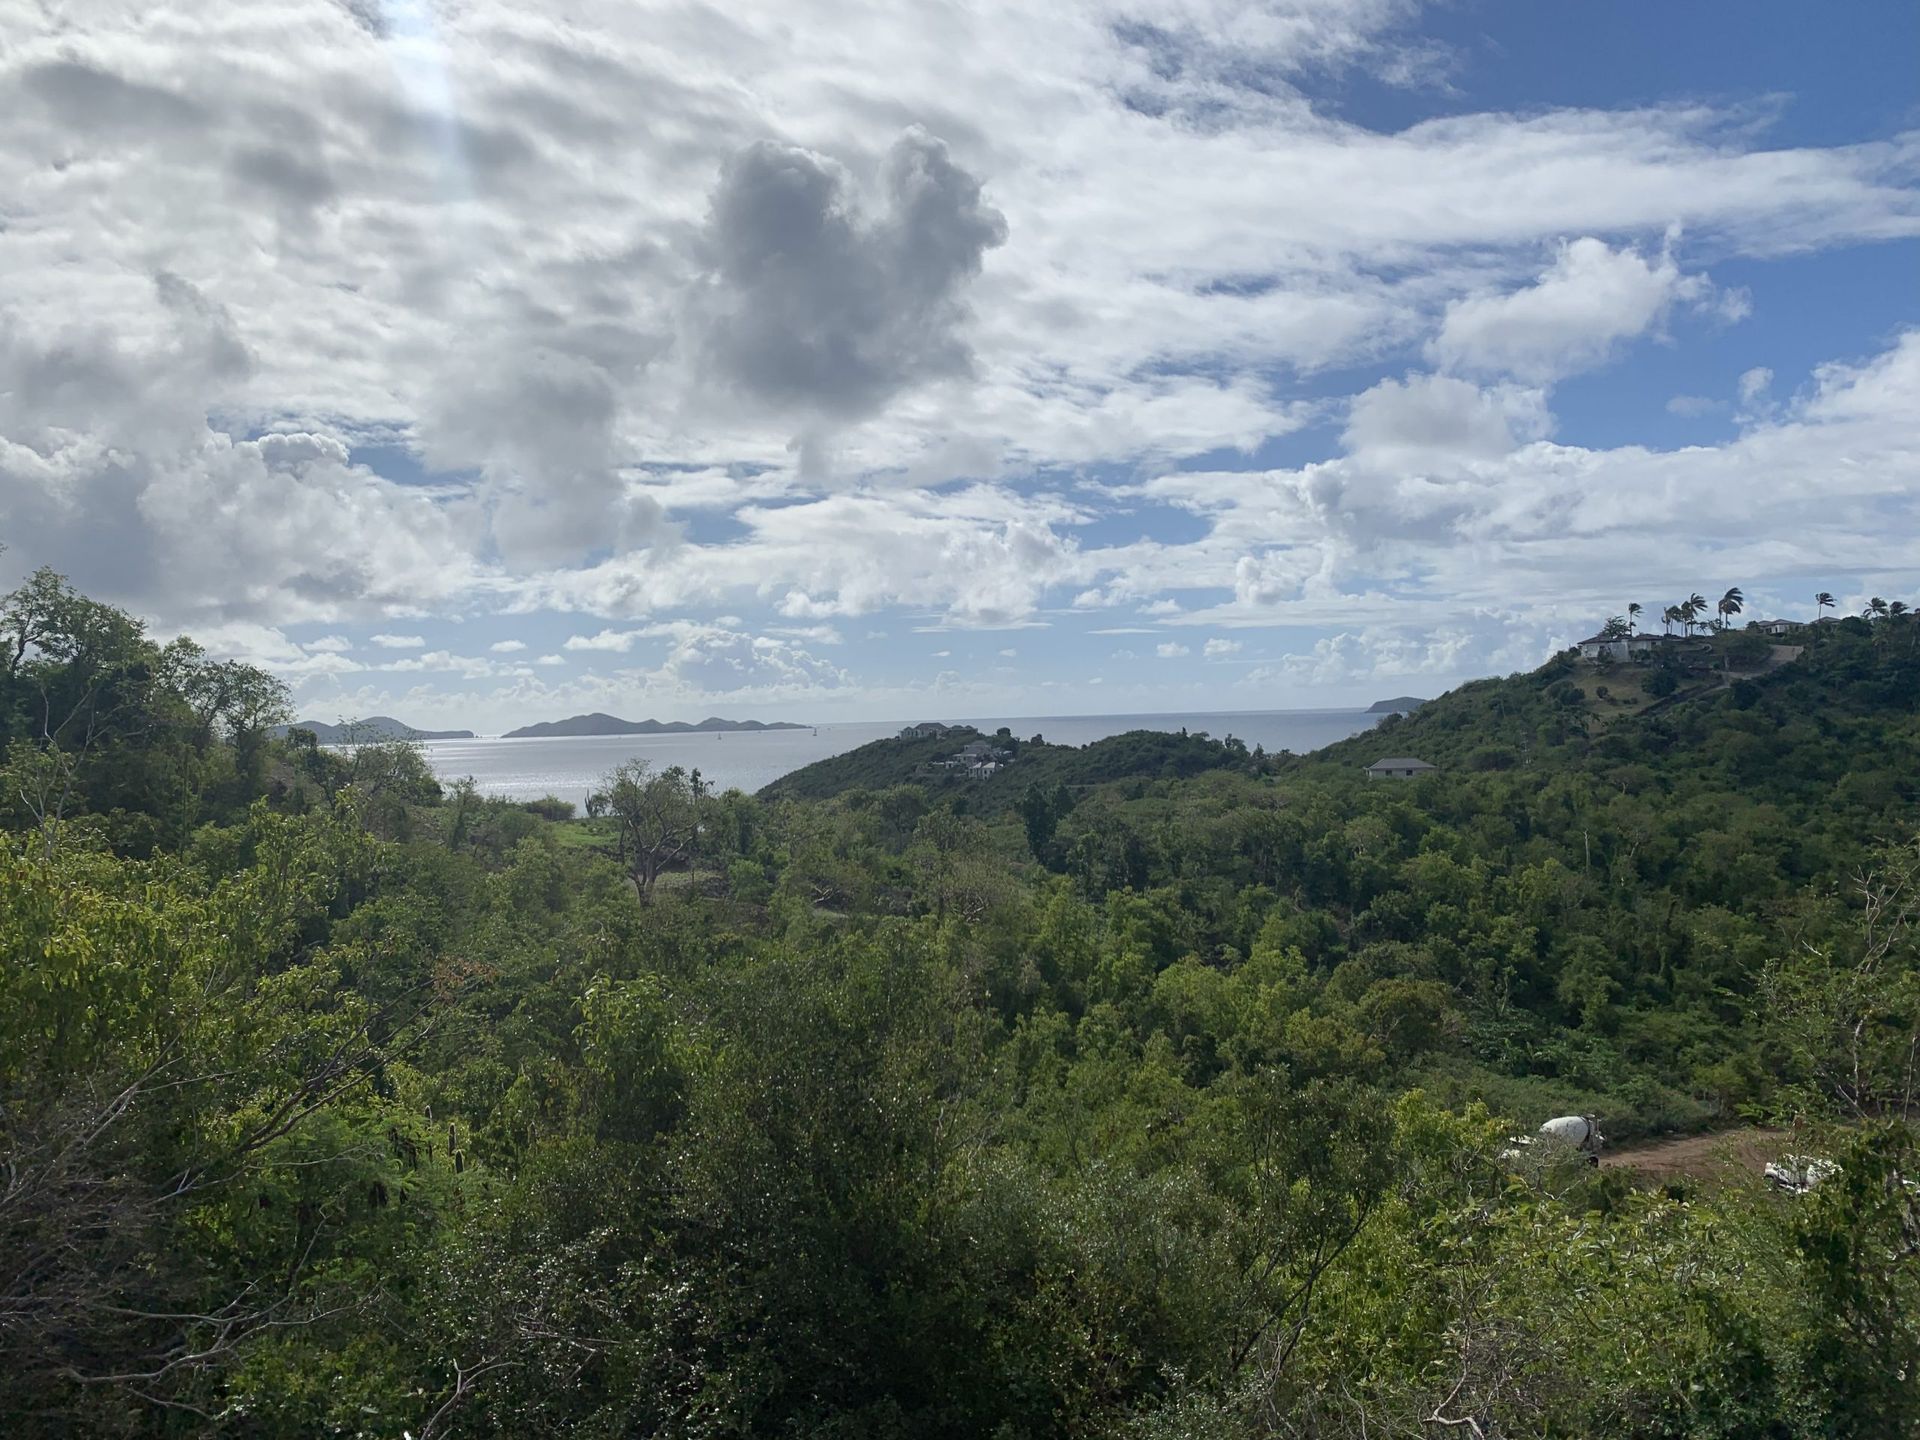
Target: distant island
(599, 724)
(1399, 705)
(373, 728)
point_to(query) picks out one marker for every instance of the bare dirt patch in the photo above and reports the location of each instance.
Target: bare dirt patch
(1722, 1155)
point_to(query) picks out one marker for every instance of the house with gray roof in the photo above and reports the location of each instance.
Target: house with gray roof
(1399, 767)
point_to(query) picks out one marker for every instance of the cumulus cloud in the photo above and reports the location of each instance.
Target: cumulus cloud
(446, 662)
(1388, 652)
(398, 642)
(1217, 649)
(822, 307)
(1171, 650)
(1570, 529)
(1573, 317)
(1756, 401)
(507, 647)
(110, 472)
(614, 640)
(712, 660)
(328, 644)
(1438, 417)
(1754, 384)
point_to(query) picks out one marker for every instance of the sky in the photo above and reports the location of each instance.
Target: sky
(483, 363)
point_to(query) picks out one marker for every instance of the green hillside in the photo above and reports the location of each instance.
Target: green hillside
(1838, 705)
(1149, 1090)
(1136, 754)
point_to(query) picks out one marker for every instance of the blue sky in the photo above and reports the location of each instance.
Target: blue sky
(487, 363)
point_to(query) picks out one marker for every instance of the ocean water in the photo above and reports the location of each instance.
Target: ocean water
(571, 767)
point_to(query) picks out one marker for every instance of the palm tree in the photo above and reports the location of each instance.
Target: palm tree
(1896, 609)
(1729, 605)
(1633, 617)
(1876, 608)
(1668, 616)
(1695, 607)
(1822, 601)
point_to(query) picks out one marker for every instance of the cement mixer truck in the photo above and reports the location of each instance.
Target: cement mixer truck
(1578, 1133)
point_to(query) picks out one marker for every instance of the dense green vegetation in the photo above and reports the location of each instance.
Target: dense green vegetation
(1157, 1089)
(885, 763)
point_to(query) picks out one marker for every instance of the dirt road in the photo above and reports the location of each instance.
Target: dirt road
(1720, 1155)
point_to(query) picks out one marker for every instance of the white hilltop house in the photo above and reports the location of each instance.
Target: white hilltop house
(1399, 767)
(924, 730)
(977, 759)
(1621, 647)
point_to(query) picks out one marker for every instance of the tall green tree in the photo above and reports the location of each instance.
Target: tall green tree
(657, 816)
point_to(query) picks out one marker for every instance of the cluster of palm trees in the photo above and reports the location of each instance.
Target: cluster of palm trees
(1874, 609)
(1694, 610)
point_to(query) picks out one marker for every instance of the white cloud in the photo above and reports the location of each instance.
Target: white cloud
(398, 642)
(817, 634)
(551, 660)
(328, 644)
(507, 647)
(1379, 653)
(1754, 385)
(1218, 649)
(714, 661)
(1756, 404)
(1570, 532)
(616, 640)
(1692, 407)
(1572, 318)
(446, 662)
(1171, 650)
(1437, 417)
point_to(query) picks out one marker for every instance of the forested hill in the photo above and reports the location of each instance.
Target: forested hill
(1846, 705)
(599, 723)
(372, 730)
(1136, 754)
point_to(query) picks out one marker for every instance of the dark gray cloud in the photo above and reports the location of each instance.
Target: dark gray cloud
(207, 335)
(90, 100)
(813, 305)
(369, 15)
